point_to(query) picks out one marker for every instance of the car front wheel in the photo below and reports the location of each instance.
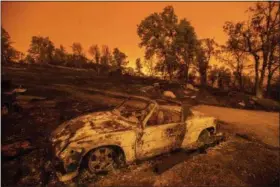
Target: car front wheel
(104, 159)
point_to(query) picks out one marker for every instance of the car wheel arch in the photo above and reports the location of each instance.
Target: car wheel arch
(117, 148)
(192, 137)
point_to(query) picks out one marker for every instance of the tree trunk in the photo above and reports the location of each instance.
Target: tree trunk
(187, 74)
(268, 86)
(262, 79)
(258, 82)
(203, 78)
(259, 91)
(240, 81)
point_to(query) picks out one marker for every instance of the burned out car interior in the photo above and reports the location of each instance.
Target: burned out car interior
(133, 110)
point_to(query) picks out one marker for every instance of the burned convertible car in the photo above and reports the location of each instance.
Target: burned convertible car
(136, 129)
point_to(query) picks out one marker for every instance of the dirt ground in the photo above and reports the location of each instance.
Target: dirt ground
(235, 162)
(261, 125)
(239, 161)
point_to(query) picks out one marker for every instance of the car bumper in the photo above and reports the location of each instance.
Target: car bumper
(66, 177)
(58, 166)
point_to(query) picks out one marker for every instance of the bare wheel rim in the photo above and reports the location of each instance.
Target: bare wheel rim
(102, 159)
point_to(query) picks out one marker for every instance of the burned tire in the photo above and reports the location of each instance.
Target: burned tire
(204, 138)
(104, 160)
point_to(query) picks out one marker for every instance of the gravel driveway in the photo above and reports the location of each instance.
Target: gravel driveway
(261, 125)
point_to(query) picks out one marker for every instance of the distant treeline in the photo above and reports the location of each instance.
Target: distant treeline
(248, 61)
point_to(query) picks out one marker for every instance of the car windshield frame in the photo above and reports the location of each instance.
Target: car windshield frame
(145, 110)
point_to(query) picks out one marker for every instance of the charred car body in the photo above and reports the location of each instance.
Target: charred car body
(136, 129)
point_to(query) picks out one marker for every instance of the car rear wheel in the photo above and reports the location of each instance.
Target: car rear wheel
(204, 138)
(104, 159)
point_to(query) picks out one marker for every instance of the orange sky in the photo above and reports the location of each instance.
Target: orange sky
(110, 23)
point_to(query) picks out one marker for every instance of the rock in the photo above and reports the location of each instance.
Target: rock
(242, 103)
(254, 98)
(191, 87)
(252, 102)
(30, 98)
(19, 90)
(186, 92)
(146, 88)
(156, 84)
(169, 94)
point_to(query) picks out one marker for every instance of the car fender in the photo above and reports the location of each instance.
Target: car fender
(123, 139)
(76, 151)
(195, 126)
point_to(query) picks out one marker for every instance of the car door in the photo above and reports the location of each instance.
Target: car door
(163, 132)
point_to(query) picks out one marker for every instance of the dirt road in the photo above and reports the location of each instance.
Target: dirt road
(263, 126)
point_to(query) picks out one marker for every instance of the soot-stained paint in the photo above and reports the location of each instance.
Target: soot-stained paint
(77, 137)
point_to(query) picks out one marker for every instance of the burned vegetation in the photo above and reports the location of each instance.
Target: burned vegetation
(178, 119)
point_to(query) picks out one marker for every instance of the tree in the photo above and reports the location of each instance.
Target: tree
(213, 74)
(119, 58)
(273, 66)
(106, 58)
(8, 53)
(29, 60)
(60, 56)
(224, 77)
(157, 33)
(77, 49)
(150, 65)
(248, 83)
(77, 59)
(221, 75)
(138, 65)
(41, 49)
(192, 77)
(171, 42)
(258, 37)
(185, 43)
(236, 60)
(205, 50)
(95, 53)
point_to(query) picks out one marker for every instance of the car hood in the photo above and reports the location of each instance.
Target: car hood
(87, 126)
